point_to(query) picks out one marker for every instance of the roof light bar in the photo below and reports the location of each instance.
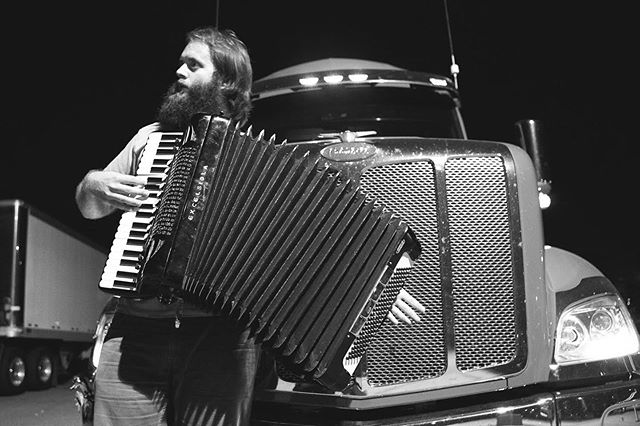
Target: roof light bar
(333, 78)
(358, 78)
(438, 82)
(308, 81)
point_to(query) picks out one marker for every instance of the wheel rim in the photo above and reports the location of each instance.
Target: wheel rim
(45, 369)
(17, 371)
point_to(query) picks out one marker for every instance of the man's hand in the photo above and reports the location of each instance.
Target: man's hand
(405, 308)
(101, 192)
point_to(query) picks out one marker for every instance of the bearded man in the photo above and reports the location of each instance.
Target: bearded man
(174, 363)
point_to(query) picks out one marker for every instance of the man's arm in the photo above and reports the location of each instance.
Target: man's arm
(100, 193)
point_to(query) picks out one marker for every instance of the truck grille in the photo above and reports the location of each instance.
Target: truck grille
(460, 215)
(409, 190)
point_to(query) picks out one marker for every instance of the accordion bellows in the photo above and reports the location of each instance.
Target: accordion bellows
(280, 243)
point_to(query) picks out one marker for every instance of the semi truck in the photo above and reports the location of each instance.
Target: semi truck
(49, 303)
(515, 331)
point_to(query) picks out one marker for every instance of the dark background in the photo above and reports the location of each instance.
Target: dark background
(79, 79)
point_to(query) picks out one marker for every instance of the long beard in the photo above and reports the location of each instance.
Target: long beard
(180, 104)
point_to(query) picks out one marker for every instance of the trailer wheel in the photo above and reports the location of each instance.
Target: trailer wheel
(13, 371)
(41, 368)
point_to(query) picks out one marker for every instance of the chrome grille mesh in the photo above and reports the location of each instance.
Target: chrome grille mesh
(401, 353)
(481, 262)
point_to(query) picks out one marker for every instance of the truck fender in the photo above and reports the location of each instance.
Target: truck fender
(565, 270)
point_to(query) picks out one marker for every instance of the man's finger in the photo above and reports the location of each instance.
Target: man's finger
(399, 314)
(405, 296)
(130, 191)
(132, 180)
(393, 319)
(124, 202)
(407, 310)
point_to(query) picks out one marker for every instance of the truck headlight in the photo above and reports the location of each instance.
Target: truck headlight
(595, 329)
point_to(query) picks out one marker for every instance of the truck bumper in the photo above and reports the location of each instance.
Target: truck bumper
(615, 403)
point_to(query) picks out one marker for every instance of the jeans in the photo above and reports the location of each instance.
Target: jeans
(152, 373)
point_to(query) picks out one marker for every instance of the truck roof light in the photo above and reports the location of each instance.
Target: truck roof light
(438, 81)
(358, 78)
(308, 81)
(333, 78)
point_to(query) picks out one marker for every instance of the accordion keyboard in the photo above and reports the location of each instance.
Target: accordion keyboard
(123, 264)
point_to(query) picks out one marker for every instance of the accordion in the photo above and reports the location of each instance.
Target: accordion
(269, 235)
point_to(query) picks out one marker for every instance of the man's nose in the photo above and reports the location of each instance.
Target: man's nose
(181, 72)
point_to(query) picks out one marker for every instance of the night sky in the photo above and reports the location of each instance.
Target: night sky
(80, 79)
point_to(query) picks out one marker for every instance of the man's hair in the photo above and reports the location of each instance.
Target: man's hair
(231, 60)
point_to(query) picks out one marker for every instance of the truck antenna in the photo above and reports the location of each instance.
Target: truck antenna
(455, 69)
(217, 13)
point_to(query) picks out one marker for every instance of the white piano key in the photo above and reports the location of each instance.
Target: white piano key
(112, 276)
(128, 269)
(126, 234)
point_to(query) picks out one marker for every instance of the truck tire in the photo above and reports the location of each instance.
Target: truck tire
(13, 368)
(41, 368)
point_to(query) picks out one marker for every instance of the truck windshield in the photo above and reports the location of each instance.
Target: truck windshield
(389, 111)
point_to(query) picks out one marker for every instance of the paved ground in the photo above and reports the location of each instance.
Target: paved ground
(51, 407)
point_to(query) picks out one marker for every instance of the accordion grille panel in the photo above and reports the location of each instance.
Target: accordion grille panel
(402, 353)
(481, 263)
